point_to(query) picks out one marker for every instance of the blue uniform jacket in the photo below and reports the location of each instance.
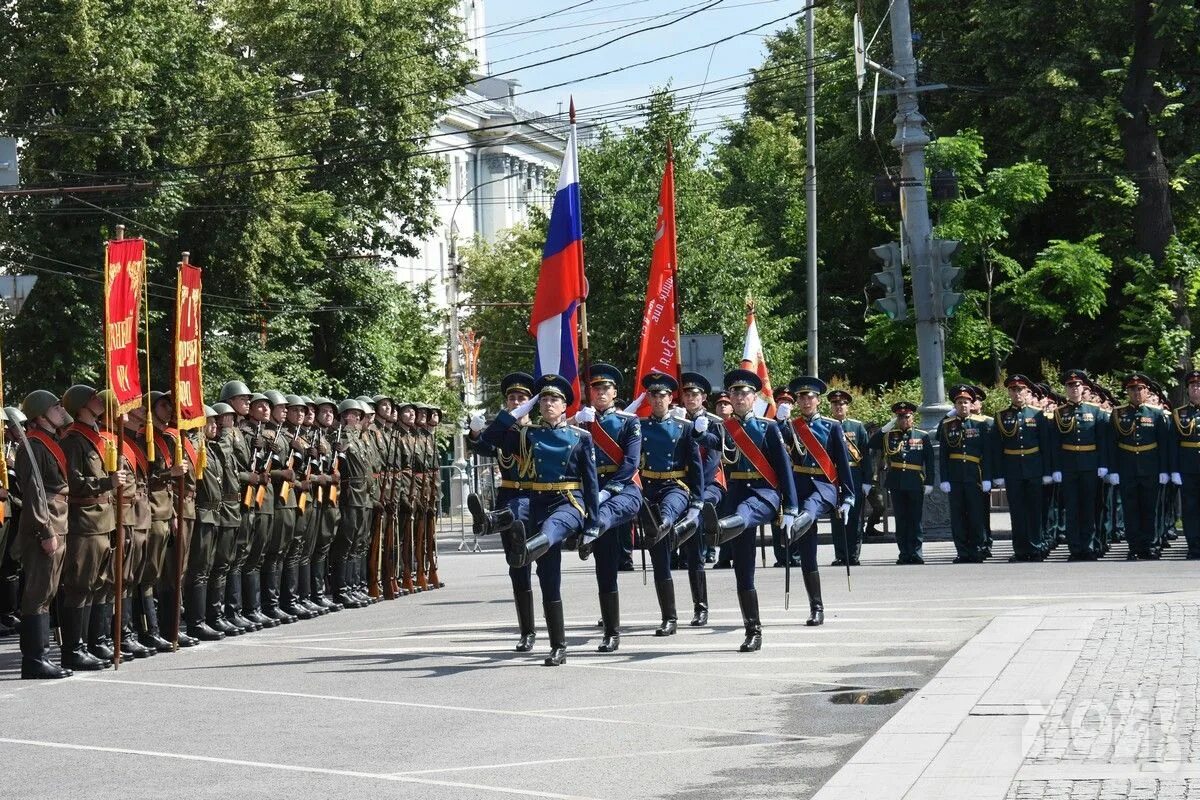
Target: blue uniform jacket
(742, 483)
(807, 475)
(713, 443)
(626, 431)
(670, 455)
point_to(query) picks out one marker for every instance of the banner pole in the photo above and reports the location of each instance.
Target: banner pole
(181, 481)
(118, 563)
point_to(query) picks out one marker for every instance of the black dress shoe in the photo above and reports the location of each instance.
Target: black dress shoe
(187, 641)
(668, 628)
(837, 562)
(610, 643)
(557, 657)
(205, 633)
(525, 643)
(854, 562)
(753, 642)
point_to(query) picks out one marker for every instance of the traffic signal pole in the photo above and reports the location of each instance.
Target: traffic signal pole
(910, 141)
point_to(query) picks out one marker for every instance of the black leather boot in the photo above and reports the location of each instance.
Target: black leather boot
(196, 626)
(290, 593)
(749, 605)
(666, 604)
(317, 575)
(149, 636)
(653, 529)
(252, 600)
(35, 649)
(90, 635)
(271, 594)
(233, 604)
(524, 601)
(526, 551)
(802, 525)
(304, 593)
(484, 522)
(719, 530)
(74, 655)
(341, 593)
(698, 581)
(610, 616)
(812, 585)
(100, 622)
(214, 607)
(557, 629)
(686, 528)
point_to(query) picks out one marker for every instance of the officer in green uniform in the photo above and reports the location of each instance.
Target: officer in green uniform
(41, 533)
(847, 537)
(1185, 461)
(908, 456)
(228, 521)
(1024, 466)
(1142, 466)
(966, 457)
(1080, 437)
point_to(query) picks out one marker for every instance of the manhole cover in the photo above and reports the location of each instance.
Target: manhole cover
(874, 697)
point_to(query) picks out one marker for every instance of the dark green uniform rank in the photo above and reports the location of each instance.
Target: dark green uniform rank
(1185, 463)
(1143, 464)
(908, 458)
(967, 460)
(1025, 463)
(1082, 437)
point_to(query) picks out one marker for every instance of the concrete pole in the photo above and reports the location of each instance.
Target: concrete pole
(810, 185)
(458, 478)
(910, 142)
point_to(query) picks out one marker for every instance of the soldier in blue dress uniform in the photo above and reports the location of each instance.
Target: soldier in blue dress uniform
(1081, 441)
(754, 497)
(512, 502)
(967, 459)
(1024, 466)
(824, 483)
(908, 457)
(617, 436)
(672, 477)
(557, 467)
(847, 536)
(1185, 461)
(786, 552)
(712, 443)
(723, 408)
(1142, 466)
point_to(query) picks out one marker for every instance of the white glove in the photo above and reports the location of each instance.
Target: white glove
(783, 412)
(998, 483)
(677, 412)
(1047, 480)
(700, 423)
(945, 487)
(1176, 479)
(585, 414)
(605, 495)
(867, 487)
(478, 422)
(1114, 479)
(1056, 476)
(636, 404)
(844, 512)
(986, 486)
(524, 409)
(787, 522)
(1164, 479)
(928, 490)
(1101, 472)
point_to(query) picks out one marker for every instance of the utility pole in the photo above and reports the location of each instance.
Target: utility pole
(810, 185)
(910, 142)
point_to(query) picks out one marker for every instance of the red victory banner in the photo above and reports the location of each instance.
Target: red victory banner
(189, 394)
(659, 351)
(124, 277)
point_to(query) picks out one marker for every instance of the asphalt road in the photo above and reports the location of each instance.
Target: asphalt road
(423, 697)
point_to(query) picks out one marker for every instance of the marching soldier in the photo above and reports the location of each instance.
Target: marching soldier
(1142, 466)
(786, 552)
(821, 473)
(847, 536)
(1185, 461)
(1025, 465)
(617, 439)
(41, 534)
(760, 487)
(559, 465)
(908, 457)
(512, 502)
(966, 456)
(673, 479)
(1080, 435)
(710, 436)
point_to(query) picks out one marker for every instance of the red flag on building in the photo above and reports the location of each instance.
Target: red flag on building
(753, 360)
(659, 351)
(124, 277)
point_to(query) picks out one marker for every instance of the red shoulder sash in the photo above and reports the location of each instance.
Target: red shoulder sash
(52, 446)
(750, 450)
(815, 448)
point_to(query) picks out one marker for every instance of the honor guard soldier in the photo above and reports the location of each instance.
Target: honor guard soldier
(1185, 461)
(1024, 466)
(260, 433)
(723, 407)
(512, 502)
(288, 512)
(209, 485)
(966, 456)
(821, 473)
(283, 507)
(141, 574)
(355, 503)
(183, 456)
(760, 488)
(1082, 448)
(712, 442)
(233, 433)
(617, 439)
(326, 509)
(672, 477)
(433, 418)
(228, 521)
(847, 536)
(558, 469)
(41, 534)
(1142, 466)
(908, 457)
(786, 552)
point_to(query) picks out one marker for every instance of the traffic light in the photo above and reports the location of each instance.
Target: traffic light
(946, 276)
(891, 279)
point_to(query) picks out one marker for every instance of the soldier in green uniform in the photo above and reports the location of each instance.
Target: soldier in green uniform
(41, 533)
(847, 537)
(238, 437)
(288, 530)
(136, 519)
(355, 504)
(361, 554)
(1024, 466)
(406, 418)
(184, 455)
(967, 461)
(908, 456)
(1080, 437)
(326, 502)
(283, 508)
(421, 493)
(313, 486)
(1185, 461)
(10, 567)
(228, 522)
(1142, 466)
(257, 429)
(201, 553)
(433, 418)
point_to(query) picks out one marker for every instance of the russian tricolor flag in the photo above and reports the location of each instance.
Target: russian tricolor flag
(561, 285)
